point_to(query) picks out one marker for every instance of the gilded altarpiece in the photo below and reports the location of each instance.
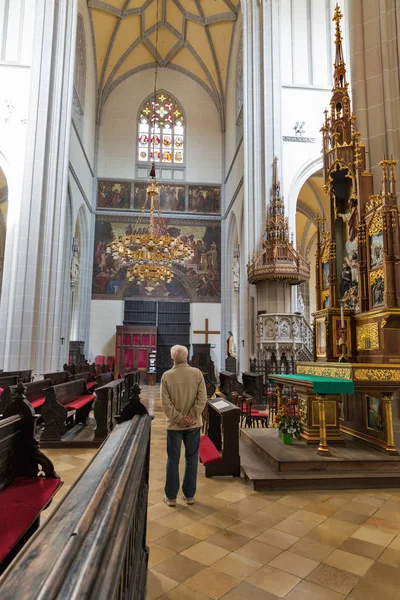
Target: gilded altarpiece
(357, 322)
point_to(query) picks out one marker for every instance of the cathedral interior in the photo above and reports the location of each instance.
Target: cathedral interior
(220, 175)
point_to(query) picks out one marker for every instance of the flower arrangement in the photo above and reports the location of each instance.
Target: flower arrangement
(287, 419)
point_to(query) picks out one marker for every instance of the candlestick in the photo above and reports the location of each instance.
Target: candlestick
(341, 317)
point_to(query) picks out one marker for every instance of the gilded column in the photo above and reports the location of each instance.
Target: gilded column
(388, 420)
(323, 446)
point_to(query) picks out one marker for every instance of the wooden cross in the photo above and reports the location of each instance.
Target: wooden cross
(207, 331)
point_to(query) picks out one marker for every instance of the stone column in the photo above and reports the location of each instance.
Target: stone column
(32, 299)
(375, 75)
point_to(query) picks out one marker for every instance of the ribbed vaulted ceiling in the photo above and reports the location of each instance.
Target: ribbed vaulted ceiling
(194, 36)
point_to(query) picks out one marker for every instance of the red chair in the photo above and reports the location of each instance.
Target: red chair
(110, 361)
(254, 416)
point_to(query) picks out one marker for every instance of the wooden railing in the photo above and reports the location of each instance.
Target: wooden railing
(94, 545)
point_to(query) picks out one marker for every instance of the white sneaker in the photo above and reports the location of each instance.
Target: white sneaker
(188, 500)
(169, 502)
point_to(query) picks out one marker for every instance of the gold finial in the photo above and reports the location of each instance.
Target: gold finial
(338, 16)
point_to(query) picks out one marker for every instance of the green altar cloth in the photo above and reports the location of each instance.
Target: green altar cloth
(320, 385)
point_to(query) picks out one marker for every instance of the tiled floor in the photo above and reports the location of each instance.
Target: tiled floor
(238, 544)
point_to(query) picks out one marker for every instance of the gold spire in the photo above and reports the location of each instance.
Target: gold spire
(339, 65)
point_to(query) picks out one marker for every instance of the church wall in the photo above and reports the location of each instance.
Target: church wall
(104, 317)
(80, 169)
(306, 47)
(375, 62)
(118, 126)
(89, 125)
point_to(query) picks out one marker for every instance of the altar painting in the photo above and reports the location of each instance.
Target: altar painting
(376, 250)
(374, 413)
(197, 278)
(321, 337)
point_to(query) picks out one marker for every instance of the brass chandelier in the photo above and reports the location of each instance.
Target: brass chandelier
(150, 255)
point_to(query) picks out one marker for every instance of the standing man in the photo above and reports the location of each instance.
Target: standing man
(183, 398)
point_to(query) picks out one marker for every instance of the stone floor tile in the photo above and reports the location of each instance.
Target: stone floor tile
(258, 551)
(158, 554)
(237, 565)
(246, 528)
(245, 591)
(219, 519)
(179, 568)
(205, 553)
(199, 530)
(294, 527)
(228, 540)
(213, 584)
(294, 564)
(311, 549)
(353, 563)
(390, 557)
(276, 538)
(158, 585)
(155, 531)
(182, 592)
(177, 541)
(294, 501)
(274, 581)
(374, 536)
(334, 579)
(362, 548)
(306, 590)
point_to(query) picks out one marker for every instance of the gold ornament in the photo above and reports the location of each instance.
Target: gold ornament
(367, 336)
(376, 226)
(322, 371)
(377, 374)
(375, 275)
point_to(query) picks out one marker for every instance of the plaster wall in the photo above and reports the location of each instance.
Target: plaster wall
(104, 317)
(118, 126)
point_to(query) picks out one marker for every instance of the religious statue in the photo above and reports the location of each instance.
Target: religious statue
(351, 219)
(300, 304)
(236, 274)
(230, 345)
(75, 267)
(346, 277)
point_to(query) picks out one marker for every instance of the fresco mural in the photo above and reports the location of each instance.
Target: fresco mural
(204, 199)
(114, 195)
(172, 197)
(198, 278)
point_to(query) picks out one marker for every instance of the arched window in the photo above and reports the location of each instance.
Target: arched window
(80, 63)
(161, 131)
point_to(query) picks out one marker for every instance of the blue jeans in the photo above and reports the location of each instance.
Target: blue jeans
(191, 440)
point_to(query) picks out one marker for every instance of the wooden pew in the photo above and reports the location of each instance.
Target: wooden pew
(130, 379)
(57, 377)
(8, 380)
(253, 384)
(105, 378)
(228, 383)
(25, 376)
(28, 481)
(35, 394)
(63, 402)
(91, 383)
(94, 544)
(107, 405)
(223, 431)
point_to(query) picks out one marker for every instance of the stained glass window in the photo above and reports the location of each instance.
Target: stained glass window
(161, 131)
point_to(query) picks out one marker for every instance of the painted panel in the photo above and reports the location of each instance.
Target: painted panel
(197, 278)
